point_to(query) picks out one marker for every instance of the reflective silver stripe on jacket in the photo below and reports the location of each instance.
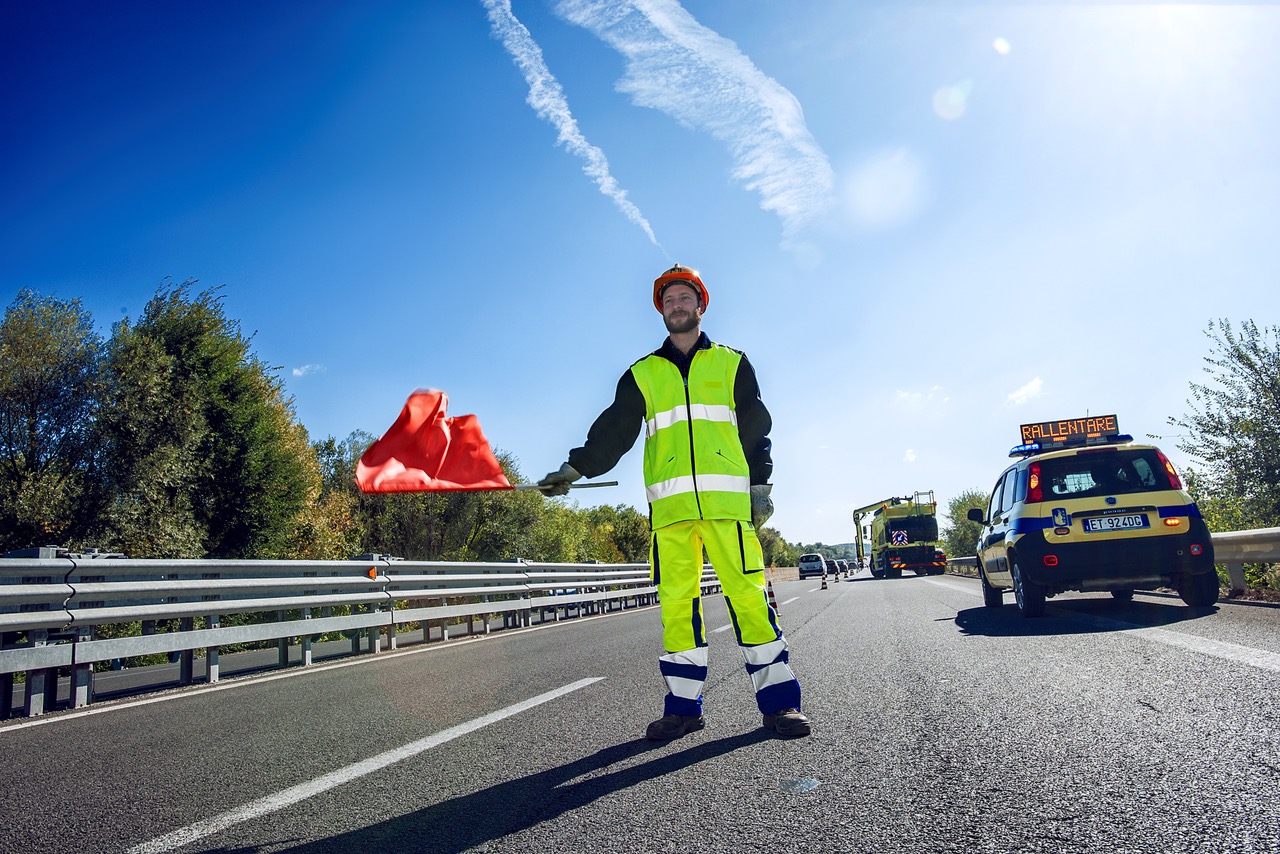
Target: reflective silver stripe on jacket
(707, 482)
(701, 411)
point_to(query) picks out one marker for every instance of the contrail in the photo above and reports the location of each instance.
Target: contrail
(548, 99)
(678, 66)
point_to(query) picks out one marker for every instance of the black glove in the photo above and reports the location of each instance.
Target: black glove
(761, 504)
(557, 482)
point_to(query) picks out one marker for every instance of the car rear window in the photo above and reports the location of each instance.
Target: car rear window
(1112, 472)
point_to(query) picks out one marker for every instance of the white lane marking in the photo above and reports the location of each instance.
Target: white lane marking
(294, 794)
(1259, 658)
(722, 629)
(1238, 653)
(789, 601)
(962, 588)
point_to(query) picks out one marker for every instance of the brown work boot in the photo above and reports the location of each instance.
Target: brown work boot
(673, 726)
(787, 722)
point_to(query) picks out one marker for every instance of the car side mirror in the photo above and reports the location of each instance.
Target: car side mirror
(975, 515)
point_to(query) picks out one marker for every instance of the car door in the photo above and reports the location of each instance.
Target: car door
(992, 543)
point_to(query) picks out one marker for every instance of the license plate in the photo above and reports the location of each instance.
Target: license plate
(1116, 523)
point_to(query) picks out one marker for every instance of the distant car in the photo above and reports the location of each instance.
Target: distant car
(842, 565)
(831, 567)
(1094, 512)
(812, 564)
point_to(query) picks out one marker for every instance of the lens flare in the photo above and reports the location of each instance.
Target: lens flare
(950, 102)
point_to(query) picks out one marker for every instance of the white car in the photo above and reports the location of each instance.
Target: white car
(812, 564)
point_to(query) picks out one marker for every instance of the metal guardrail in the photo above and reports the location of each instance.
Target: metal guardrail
(50, 607)
(1236, 548)
(1232, 548)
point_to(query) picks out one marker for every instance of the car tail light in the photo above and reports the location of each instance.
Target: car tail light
(1035, 493)
(1173, 523)
(1175, 482)
(1050, 560)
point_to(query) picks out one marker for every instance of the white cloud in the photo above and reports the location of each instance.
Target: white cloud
(548, 99)
(1028, 391)
(701, 79)
(909, 456)
(309, 369)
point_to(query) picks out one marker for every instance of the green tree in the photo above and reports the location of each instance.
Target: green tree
(777, 551)
(624, 528)
(202, 453)
(960, 536)
(48, 395)
(1234, 423)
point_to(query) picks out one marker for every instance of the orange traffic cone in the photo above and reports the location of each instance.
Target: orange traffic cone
(768, 589)
(824, 581)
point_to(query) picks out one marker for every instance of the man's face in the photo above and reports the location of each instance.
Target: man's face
(680, 309)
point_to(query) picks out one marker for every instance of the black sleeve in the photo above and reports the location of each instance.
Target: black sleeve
(614, 431)
(754, 423)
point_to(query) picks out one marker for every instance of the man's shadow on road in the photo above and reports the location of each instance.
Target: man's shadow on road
(465, 822)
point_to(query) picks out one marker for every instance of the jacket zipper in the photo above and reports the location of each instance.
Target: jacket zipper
(693, 461)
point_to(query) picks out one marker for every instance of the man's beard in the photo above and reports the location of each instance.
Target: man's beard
(676, 325)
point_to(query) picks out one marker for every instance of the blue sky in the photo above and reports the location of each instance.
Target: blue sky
(925, 223)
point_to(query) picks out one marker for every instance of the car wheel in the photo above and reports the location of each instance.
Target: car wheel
(992, 597)
(1199, 591)
(1030, 595)
(1122, 595)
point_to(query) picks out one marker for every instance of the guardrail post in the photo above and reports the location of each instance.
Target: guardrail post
(187, 658)
(211, 653)
(82, 674)
(33, 702)
(375, 634)
(306, 641)
(7, 640)
(282, 644)
(1235, 574)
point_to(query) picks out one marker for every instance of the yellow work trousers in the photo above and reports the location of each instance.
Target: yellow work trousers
(734, 551)
(675, 557)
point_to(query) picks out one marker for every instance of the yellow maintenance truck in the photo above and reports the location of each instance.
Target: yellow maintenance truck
(903, 534)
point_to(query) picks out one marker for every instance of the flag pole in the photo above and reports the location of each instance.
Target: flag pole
(571, 486)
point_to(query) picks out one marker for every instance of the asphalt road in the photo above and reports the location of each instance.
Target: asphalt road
(940, 726)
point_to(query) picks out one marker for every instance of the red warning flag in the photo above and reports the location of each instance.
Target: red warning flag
(426, 452)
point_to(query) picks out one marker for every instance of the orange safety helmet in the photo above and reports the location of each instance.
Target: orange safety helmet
(684, 275)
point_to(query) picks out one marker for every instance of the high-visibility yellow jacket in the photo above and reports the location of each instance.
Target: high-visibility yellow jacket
(706, 432)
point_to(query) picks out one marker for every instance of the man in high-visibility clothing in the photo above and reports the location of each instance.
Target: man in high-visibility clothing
(707, 465)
